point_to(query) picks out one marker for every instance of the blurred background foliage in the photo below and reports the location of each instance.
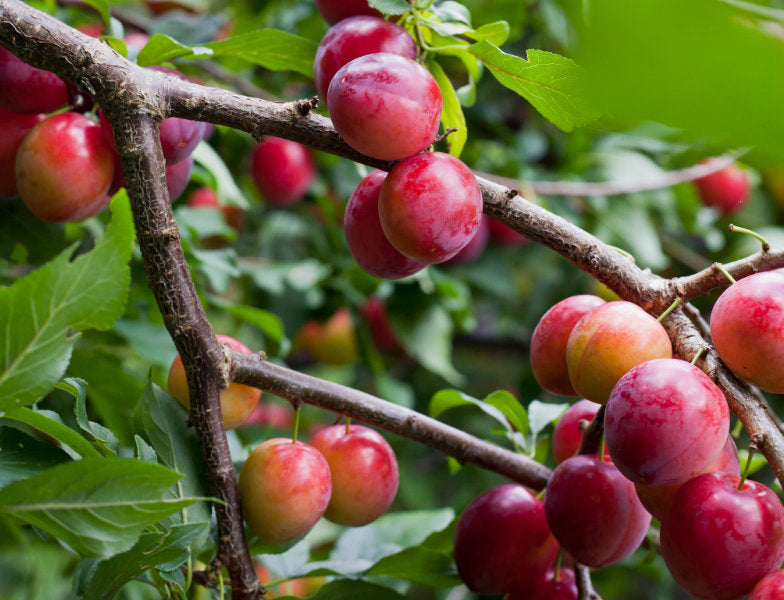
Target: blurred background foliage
(675, 82)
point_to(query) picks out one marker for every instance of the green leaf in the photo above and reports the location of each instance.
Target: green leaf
(451, 112)
(391, 7)
(19, 228)
(106, 577)
(271, 49)
(99, 507)
(359, 548)
(496, 33)
(553, 84)
(38, 311)
(227, 189)
(443, 400)
(511, 408)
(102, 6)
(541, 414)
(269, 323)
(177, 446)
(419, 565)
(449, 10)
(161, 48)
(49, 423)
(107, 441)
(429, 338)
(22, 456)
(720, 85)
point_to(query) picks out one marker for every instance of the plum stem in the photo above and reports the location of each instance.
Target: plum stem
(700, 352)
(558, 561)
(670, 308)
(754, 234)
(747, 466)
(348, 425)
(296, 426)
(720, 268)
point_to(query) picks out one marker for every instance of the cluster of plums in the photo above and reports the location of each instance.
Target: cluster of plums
(668, 454)
(347, 474)
(386, 105)
(65, 166)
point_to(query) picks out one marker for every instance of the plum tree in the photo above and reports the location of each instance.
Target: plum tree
(290, 268)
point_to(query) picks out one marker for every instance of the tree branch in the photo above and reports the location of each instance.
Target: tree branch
(616, 188)
(135, 99)
(252, 369)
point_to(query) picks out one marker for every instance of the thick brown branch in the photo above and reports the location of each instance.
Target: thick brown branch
(202, 355)
(298, 387)
(616, 188)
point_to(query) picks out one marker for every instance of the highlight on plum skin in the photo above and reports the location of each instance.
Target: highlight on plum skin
(430, 207)
(385, 105)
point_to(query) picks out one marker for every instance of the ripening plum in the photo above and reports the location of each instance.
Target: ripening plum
(355, 37)
(336, 10)
(385, 105)
(204, 197)
(25, 89)
(770, 587)
(726, 190)
(237, 401)
(333, 342)
(747, 327)
(548, 342)
(593, 511)
(567, 434)
(64, 167)
(717, 540)
(430, 207)
(282, 170)
(503, 235)
(285, 488)
(666, 422)
(608, 341)
(502, 541)
(364, 473)
(366, 240)
(552, 587)
(657, 500)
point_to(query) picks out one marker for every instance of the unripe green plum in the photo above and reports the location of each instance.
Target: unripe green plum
(285, 488)
(237, 401)
(364, 473)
